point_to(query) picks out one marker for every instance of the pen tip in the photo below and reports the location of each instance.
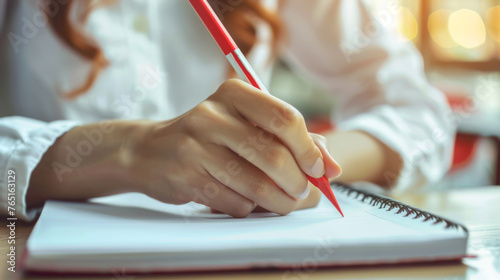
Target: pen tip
(340, 211)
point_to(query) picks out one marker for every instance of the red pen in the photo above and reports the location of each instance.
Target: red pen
(246, 72)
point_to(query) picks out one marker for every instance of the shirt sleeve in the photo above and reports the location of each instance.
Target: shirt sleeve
(379, 84)
(23, 142)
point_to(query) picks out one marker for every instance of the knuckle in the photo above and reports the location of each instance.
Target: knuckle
(208, 110)
(203, 115)
(186, 145)
(261, 189)
(278, 156)
(291, 116)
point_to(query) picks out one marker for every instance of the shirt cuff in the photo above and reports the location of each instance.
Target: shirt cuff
(410, 173)
(23, 159)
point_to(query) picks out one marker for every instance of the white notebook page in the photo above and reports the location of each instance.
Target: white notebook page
(135, 223)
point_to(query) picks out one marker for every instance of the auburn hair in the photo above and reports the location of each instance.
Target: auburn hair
(238, 17)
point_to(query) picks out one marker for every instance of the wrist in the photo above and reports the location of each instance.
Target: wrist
(130, 145)
(88, 161)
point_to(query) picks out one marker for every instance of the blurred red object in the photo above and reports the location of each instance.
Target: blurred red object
(464, 150)
(465, 144)
(320, 125)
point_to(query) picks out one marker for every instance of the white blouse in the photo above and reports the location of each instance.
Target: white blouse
(163, 62)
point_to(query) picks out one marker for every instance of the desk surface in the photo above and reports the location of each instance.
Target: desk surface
(478, 209)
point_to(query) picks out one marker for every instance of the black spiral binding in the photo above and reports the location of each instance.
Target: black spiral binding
(390, 204)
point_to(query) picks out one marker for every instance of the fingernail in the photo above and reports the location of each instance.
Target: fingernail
(305, 194)
(318, 168)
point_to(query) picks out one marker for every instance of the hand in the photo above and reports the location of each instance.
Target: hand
(315, 194)
(310, 201)
(238, 149)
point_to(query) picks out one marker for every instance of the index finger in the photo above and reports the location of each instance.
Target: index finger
(279, 118)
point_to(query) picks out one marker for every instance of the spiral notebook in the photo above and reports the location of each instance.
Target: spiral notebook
(133, 233)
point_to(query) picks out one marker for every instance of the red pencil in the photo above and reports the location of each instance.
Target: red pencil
(246, 72)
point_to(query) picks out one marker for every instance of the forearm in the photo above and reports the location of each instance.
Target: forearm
(363, 157)
(79, 165)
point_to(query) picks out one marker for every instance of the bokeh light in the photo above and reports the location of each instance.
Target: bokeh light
(467, 28)
(438, 29)
(408, 24)
(493, 19)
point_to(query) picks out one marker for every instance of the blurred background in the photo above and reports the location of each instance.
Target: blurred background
(460, 43)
